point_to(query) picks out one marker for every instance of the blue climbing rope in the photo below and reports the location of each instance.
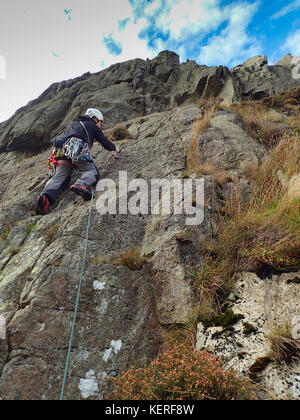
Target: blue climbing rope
(77, 302)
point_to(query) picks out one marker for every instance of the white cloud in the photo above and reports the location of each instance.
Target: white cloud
(138, 28)
(133, 46)
(172, 22)
(183, 25)
(233, 45)
(192, 17)
(294, 5)
(292, 43)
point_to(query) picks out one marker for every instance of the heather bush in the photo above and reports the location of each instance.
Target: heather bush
(181, 373)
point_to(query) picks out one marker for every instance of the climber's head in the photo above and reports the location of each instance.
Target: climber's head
(95, 115)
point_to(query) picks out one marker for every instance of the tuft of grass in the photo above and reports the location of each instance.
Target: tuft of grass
(4, 234)
(181, 373)
(284, 348)
(120, 133)
(193, 157)
(131, 259)
(179, 334)
(29, 227)
(50, 234)
(194, 162)
(99, 259)
(260, 122)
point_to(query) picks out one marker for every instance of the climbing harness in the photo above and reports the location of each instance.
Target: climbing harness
(77, 302)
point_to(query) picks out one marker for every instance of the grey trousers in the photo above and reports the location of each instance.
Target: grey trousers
(61, 180)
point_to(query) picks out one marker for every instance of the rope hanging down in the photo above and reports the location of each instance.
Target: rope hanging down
(77, 302)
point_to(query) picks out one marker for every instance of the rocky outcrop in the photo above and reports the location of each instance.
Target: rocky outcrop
(256, 79)
(261, 306)
(125, 91)
(286, 60)
(137, 88)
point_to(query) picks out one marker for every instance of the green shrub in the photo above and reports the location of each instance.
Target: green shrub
(227, 319)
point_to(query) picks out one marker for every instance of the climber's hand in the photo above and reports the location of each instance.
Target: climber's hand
(116, 152)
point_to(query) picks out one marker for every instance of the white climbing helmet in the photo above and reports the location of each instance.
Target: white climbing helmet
(92, 112)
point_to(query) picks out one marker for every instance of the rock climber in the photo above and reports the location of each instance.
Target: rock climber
(75, 153)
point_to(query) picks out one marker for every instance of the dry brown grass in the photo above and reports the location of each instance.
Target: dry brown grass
(99, 259)
(194, 162)
(50, 233)
(131, 259)
(284, 348)
(262, 234)
(193, 158)
(280, 101)
(294, 121)
(260, 122)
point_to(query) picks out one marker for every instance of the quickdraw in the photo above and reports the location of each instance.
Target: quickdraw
(76, 150)
(53, 162)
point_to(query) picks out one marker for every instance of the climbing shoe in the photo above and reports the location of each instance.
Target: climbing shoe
(43, 205)
(83, 191)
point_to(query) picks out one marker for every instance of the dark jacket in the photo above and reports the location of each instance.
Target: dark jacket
(75, 129)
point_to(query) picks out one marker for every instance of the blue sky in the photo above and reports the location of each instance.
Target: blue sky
(45, 42)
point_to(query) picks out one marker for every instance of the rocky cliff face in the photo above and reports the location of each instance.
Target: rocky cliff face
(135, 88)
(124, 308)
